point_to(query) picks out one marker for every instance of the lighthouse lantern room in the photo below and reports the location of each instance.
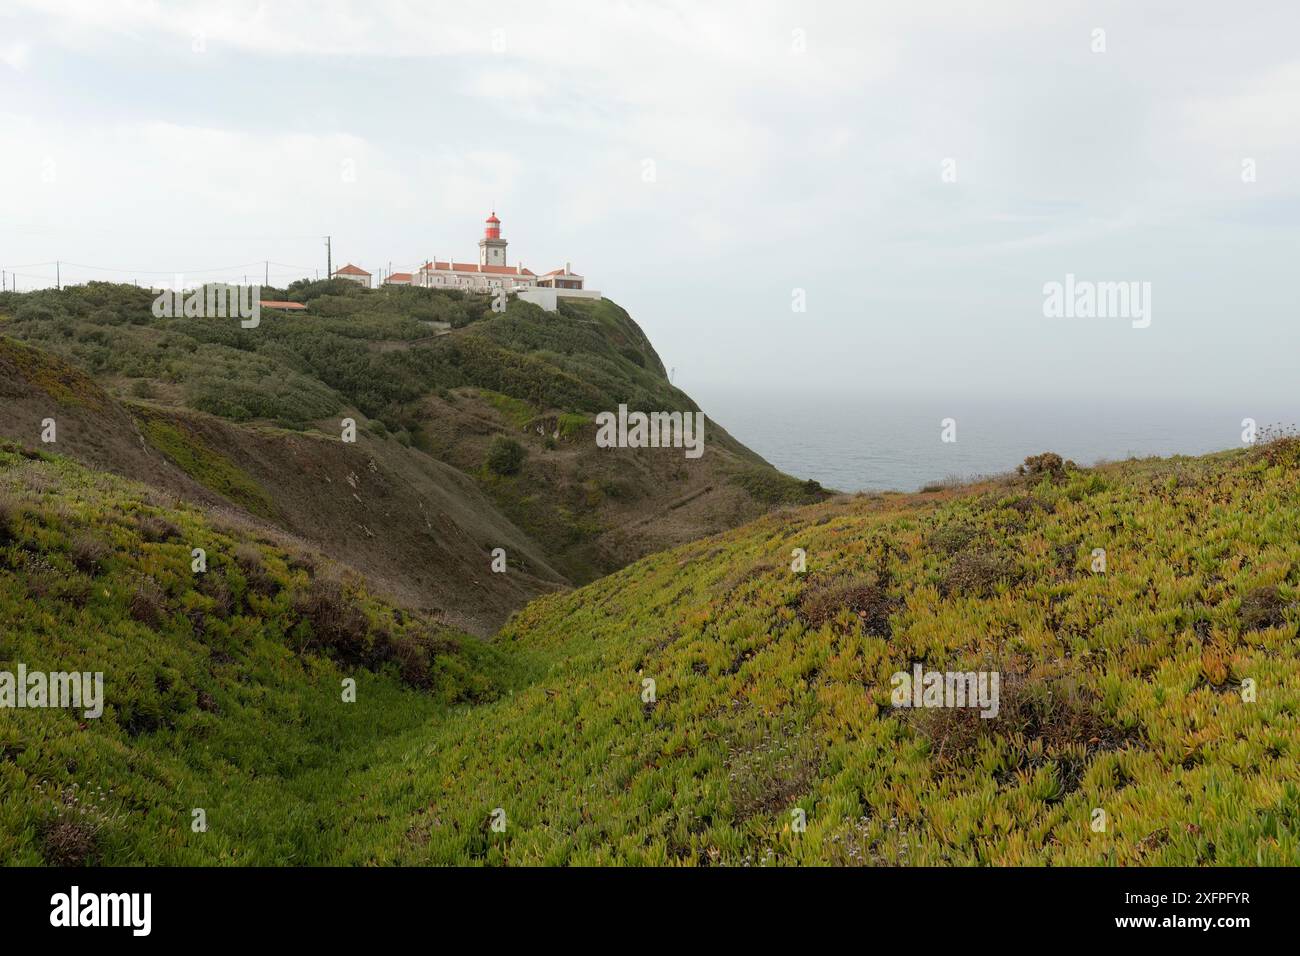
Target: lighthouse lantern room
(492, 248)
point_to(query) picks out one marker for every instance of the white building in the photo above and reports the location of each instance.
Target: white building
(564, 278)
(355, 274)
(492, 272)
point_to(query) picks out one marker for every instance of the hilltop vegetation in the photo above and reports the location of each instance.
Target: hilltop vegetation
(418, 529)
(1162, 690)
(434, 380)
(372, 350)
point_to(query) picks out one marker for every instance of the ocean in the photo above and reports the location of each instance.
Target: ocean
(866, 442)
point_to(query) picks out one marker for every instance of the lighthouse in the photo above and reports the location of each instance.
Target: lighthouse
(492, 274)
(492, 248)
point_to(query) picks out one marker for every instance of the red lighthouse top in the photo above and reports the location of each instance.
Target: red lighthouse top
(493, 230)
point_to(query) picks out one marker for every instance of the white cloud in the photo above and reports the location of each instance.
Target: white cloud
(818, 168)
(15, 56)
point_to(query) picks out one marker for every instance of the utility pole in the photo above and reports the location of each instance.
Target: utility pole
(58, 275)
(329, 259)
(267, 280)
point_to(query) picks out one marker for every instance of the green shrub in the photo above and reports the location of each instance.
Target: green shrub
(88, 553)
(35, 313)
(771, 487)
(505, 456)
(9, 514)
(863, 597)
(1280, 445)
(978, 573)
(1262, 608)
(1049, 464)
(951, 537)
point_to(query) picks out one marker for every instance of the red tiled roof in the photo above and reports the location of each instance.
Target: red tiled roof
(474, 267)
(276, 304)
(399, 276)
(560, 272)
(351, 270)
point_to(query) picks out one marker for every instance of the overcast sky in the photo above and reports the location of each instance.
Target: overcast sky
(701, 162)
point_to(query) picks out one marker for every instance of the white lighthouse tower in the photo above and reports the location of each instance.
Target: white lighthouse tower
(492, 248)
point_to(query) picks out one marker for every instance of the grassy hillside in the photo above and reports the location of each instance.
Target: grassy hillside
(223, 689)
(433, 379)
(376, 351)
(418, 529)
(1122, 691)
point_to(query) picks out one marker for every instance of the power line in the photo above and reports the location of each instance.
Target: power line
(167, 272)
(176, 236)
(232, 271)
(56, 279)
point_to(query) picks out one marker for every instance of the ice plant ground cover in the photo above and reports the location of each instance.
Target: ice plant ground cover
(706, 705)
